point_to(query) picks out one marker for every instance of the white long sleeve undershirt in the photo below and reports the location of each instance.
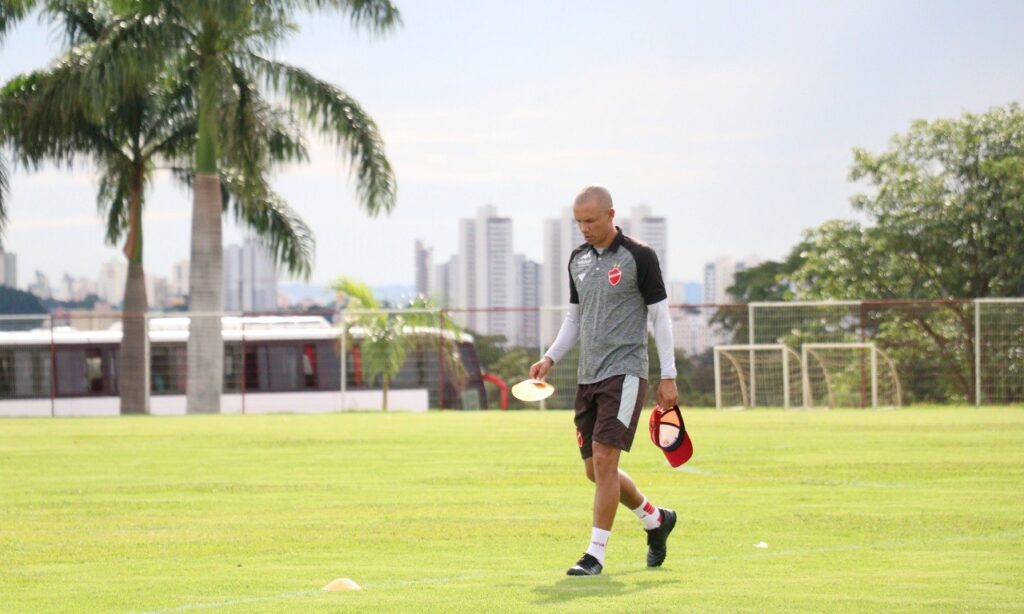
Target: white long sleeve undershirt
(661, 321)
(567, 336)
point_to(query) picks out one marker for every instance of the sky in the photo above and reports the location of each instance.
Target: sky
(734, 120)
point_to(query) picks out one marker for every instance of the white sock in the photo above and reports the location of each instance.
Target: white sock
(598, 542)
(648, 514)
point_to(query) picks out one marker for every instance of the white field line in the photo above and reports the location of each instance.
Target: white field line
(557, 572)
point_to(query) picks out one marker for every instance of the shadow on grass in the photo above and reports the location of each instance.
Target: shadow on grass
(568, 588)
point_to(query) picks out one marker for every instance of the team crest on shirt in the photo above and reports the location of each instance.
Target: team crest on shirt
(614, 275)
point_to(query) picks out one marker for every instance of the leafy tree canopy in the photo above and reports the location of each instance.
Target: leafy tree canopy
(945, 216)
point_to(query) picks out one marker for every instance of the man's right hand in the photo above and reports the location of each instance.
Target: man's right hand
(539, 369)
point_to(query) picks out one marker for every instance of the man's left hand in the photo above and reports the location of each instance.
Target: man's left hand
(668, 394)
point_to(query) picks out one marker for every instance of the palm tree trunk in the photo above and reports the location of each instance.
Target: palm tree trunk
(206, 295)
(384, 391)
(205, 343)
(133, 376)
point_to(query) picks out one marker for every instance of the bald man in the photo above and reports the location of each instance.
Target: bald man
(615, 284)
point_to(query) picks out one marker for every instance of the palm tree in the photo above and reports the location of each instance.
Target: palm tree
(44, 116)
(383, 345)
(3, 193)
(225, 44)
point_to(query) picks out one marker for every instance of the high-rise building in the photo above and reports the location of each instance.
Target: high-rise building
(178, 285)
(250, 277)
(157, 291)
(8, 269)
(561, 236)
(41, 286)
(424, 265)
(529, 293)
(650, 229)
(110, 285)
(482, 277)
(720, 275)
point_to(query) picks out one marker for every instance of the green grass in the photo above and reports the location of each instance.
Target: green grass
(910, 510)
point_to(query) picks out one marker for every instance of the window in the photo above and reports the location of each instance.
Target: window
(309, 365)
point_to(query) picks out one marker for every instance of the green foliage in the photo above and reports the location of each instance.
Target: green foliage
(4, 186)
(489, 349)
(771, 280)
(945, 216)
(513, 367)
(221, 50)
(380, 336)
(17, 302)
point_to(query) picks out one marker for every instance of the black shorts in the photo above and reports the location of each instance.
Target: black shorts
(608, 411)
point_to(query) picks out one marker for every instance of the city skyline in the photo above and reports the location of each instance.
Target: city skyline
(736, 122)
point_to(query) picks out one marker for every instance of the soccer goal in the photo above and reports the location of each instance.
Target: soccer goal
(759, 375)
(849, 375)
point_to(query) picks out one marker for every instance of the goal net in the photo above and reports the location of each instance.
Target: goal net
(848, 375)
(760, 375)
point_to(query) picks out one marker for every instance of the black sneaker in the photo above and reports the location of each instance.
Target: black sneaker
(586, 566)
(657, 538)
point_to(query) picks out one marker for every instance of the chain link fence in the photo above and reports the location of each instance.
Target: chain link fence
(955, 352)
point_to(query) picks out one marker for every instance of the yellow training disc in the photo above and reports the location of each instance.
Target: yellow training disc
(342, 584)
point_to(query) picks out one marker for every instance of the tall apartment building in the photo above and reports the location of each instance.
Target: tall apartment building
(41, 286)
(8, 269)
(561, 236)
(178, 284)
(530, 272)
(250, 277)
(423, 258)
(650, 229)
(110, 285)
(485, 284)
(720, 275)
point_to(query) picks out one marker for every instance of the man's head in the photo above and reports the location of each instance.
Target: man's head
(594, 214)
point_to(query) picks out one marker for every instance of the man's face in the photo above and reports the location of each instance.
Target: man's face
(595, 223)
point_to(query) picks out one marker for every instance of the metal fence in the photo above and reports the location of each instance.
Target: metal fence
(958, 352)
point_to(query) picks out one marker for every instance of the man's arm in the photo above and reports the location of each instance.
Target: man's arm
(668, 395)
(567, 336)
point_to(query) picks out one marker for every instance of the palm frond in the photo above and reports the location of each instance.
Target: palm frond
(133, 50)
(378, 16)
(359, 294)
(335, 114)
(4, 187)
(112, 199)
(277, 225)
(83, 20)
(13, 11)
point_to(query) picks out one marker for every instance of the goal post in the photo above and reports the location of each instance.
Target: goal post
(849, 375)
(757, 375)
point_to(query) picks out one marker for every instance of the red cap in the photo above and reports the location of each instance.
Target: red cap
(669, 433)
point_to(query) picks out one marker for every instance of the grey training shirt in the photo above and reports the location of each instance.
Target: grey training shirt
(613, 291)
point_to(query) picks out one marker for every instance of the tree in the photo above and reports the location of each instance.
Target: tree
(3, 193)
(224, 44)
(18, 302)
(52, 115)
(382, 344)
(772, 280)
(945, 217)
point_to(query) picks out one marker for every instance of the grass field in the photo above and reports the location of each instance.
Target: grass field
(911, 510)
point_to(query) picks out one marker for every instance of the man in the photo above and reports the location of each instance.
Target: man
(614, 283)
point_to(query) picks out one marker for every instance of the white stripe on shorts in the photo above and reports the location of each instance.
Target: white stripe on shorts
(627, 402)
